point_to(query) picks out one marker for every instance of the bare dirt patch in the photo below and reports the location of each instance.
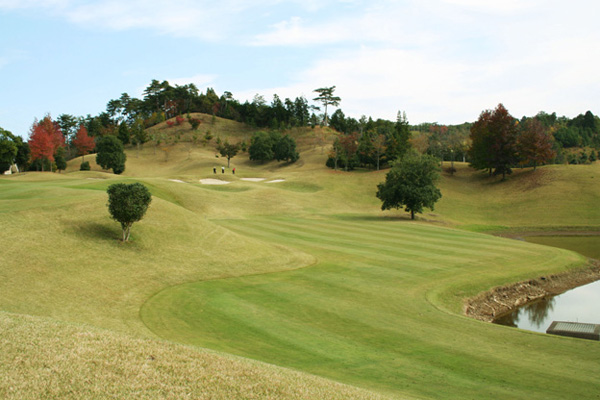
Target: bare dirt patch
(501, 300)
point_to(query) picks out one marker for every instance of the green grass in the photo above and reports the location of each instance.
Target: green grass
(308, 274)
(381, 310)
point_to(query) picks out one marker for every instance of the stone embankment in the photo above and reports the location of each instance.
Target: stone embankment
(501, 300)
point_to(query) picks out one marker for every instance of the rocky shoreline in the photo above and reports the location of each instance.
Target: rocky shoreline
(488, 306)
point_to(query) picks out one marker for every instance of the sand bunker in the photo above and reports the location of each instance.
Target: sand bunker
(213, 182)
(276, 181)
(253, 179)
(177, 180)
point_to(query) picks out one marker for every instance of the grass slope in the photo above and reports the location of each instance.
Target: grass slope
(362, 296)
(66, 361)
(552, 197)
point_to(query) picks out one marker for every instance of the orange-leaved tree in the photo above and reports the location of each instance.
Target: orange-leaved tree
(83, 143)
(44, 139)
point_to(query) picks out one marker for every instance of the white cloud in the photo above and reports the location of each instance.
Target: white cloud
(448, 60)
(182, 19)
(24, 4)
(374, 24)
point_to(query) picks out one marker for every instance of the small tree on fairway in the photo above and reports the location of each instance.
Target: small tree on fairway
(228, 150)
(128, 204)
(410, 183)
(110, 154)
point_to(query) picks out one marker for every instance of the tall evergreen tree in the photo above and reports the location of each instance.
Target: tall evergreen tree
(327, 98)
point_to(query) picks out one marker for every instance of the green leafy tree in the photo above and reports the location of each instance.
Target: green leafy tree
(8, 150)
(60, 160)
(285, 149)
(397, 140)
(23, 153)
(327, 98)
(228, 150)
(378, 148)
(411, 184)
(110, 154)
(128, 203)
(139, 134)
(261, 147)
(124, 135)
(68, 124)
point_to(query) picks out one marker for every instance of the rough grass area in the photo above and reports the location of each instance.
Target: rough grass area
(552, 197)
(41, 358)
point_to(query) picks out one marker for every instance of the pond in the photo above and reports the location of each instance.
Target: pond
(577, 305)
(588, 245)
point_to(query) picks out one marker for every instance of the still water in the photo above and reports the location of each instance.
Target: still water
(581, 304)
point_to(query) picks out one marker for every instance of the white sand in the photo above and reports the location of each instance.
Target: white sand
(276, 181)
(177, 180)
(253, 179)
(213, 182)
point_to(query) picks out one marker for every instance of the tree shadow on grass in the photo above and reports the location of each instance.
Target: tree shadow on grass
(97, 231)
(370, 218)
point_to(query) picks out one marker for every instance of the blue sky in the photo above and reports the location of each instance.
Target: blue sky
(438, 60)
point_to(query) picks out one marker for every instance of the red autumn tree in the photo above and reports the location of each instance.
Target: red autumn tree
(535, 143)
(45, 138)
(83, 143)
(494, 141)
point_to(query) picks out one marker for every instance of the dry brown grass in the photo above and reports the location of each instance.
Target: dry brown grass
(65, 361)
